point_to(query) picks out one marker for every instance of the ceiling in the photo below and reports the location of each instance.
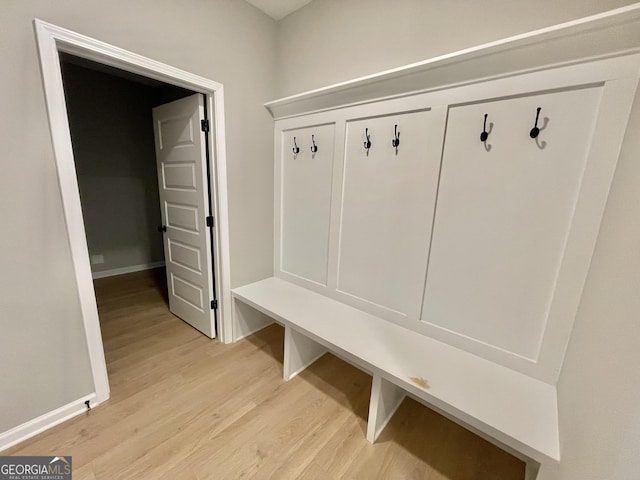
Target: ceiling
(278, 9)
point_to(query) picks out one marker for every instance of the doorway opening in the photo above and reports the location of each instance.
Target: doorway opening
(54, 42)
(109, 115)
(112, 133)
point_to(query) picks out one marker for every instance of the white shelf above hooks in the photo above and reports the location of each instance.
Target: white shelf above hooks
(606, 34)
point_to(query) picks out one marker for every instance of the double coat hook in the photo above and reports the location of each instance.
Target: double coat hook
(396, 140)
(314, 147)
(535, 131)
(367, 143)
(296, 148)
(484, 135)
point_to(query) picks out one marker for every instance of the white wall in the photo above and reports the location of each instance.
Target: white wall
(599, 387)
(43, 352)
(329, 41)
(114, 153)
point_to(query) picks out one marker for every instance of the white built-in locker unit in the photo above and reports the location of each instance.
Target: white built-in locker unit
(463, 209)
(482, 244)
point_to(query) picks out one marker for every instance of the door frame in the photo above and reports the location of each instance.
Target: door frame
(51, 40)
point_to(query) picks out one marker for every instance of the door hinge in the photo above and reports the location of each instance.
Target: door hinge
(204, 125)
(210, 221)
(214, 304)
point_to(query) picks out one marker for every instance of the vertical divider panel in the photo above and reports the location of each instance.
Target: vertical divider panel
(336, 203)
(385, 400)
(247, 320)
(299, 352)
(531, 470)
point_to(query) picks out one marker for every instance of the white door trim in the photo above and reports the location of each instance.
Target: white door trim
(51, 40)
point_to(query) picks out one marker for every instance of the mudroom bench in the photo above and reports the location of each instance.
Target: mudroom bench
(513, 410)
(434, 226)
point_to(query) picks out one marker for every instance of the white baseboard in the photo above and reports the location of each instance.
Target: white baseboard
(44, 422)
(123, 270)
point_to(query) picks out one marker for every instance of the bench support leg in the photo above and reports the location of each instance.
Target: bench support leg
(546, 471)
(385, 400)
(531, 471)
(299, 352)
(247, 320)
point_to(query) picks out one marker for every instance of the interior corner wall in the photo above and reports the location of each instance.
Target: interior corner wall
(599, 386)
(43, 349)
(113, 148)
(330, 41)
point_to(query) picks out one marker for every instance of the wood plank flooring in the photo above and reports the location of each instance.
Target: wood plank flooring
(186, 407)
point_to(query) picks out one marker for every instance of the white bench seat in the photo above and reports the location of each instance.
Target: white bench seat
(509, 407)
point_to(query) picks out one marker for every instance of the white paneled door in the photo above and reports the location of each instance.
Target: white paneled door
(184, 201)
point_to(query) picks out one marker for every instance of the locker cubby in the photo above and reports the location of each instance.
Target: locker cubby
(504, 215)
(306, 179)
(388, 200)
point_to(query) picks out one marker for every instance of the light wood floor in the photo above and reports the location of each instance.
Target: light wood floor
(186, 407)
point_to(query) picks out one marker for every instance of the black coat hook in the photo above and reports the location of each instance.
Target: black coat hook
(535, 131)
(296, 148)
(396, 141)
(367, 143)
(484, 135)
(314, 147)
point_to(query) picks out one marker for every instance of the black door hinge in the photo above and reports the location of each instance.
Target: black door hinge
(214, 304)
(210, 221)
(204, 125)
